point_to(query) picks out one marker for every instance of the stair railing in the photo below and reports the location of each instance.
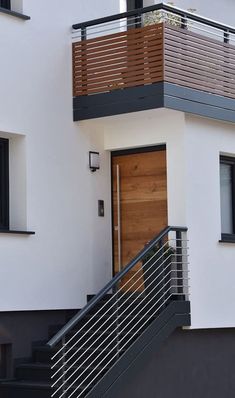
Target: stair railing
(94, 339)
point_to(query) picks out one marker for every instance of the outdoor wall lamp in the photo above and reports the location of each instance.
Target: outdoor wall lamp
(94, 161)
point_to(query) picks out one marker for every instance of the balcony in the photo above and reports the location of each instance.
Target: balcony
(158, 56)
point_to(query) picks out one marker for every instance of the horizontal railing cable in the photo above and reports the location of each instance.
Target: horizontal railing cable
(157, 7)
(158, 274)
(174, 278)
(163, 13)
(118, 341)
(107, 320)
(104, 332)
(112, 298)
(98, 312)
(52, 342)
(110, 343)
(109, 308)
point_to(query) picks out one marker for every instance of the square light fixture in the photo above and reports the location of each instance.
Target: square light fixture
(94, 161)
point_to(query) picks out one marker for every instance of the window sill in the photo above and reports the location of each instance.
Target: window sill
(227, 238)
(14, 14)
(9, 231)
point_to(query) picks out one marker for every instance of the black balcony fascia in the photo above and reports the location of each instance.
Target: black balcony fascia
(153, 96)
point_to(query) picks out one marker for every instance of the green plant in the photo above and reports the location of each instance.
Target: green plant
(164, 253)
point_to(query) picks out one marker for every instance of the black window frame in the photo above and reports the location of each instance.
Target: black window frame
(5, 4)
(130, 6)
(134, 4)
(4, 184)
(229, 160)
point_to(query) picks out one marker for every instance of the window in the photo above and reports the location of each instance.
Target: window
(227, 197)
(134, 4)
(4, 184)
(132, 21)
(5, 4)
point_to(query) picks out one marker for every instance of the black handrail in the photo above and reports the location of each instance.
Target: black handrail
(112, 284)
(160, 6)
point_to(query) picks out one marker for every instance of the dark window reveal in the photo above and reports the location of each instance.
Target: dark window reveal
(132, 21)
(5, 4)
(227, 197)
(4, 184)
(134, 4)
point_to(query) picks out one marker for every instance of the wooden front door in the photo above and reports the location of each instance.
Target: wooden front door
(139, 192)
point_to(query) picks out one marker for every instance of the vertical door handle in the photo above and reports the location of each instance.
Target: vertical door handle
(119, 219)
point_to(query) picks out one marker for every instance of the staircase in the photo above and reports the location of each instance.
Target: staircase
(131, 316)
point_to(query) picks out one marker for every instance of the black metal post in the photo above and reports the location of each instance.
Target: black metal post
(83, 33)
(226, 36)
(179, 264)
(184, 22)
(83, 58)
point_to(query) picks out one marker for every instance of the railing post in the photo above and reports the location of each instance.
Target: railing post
(226, 36)
(84, 59)
(179, 264)
(83, 33)
(116, 314)
(163, 284)
(63, 369)
(184, 22)
(139, 20)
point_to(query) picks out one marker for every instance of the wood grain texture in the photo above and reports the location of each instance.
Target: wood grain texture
(124, 59)
(197, 61)
(143, 186)
(152, 54)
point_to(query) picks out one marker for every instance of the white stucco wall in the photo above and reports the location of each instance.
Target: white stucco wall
(153, 127)
(212, 264)
(53, 192)
(193, 148)
(217, 10)
(51, 188)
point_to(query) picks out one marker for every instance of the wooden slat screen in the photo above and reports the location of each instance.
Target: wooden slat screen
(152, 54)
(196, 61)
(124, 59)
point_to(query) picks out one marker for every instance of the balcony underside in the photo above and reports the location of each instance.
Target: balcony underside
(152, 67)
(153, 96)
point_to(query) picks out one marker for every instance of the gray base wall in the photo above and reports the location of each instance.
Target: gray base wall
(23, 329)
(190, 364)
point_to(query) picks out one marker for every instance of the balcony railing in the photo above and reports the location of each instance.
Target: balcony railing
(154, 44)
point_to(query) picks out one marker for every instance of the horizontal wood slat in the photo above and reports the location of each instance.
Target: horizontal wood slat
(119, 65)
(124, 44)
(123, 74)
(126, 52)
(199, 62)
(152, 54)
(112, 84)
(117, 61)
(189, 48)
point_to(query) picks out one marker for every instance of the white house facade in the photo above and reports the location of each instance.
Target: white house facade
(117, 199)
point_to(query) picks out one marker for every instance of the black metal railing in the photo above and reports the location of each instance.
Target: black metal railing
(98, 335)
(136, 16)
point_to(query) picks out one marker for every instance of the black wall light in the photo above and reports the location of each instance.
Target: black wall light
(94, 161)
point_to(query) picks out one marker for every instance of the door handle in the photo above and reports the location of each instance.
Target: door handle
(119, 219)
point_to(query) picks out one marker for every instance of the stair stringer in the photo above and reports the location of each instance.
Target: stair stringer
(176, 314)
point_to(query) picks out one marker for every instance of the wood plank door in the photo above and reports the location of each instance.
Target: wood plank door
(139, 202)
